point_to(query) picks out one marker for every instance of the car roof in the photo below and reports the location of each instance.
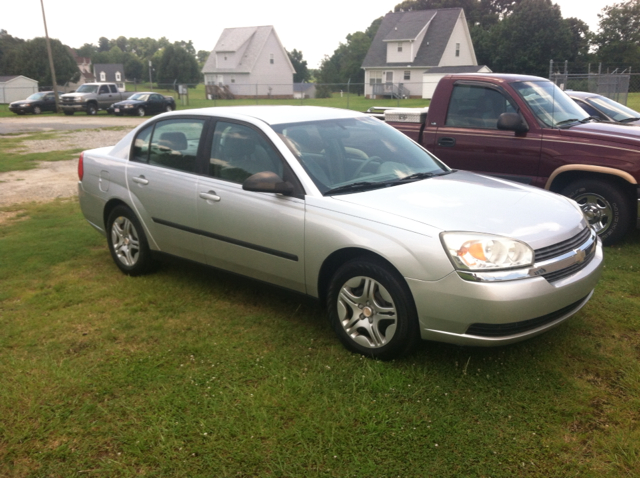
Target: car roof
(581, 94)
(276, 114)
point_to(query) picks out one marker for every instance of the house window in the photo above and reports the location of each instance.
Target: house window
(118, 77)
(399, 47)
(457, 49)
(407, 75)
(271, 58)
(375, 77)
(103, 76)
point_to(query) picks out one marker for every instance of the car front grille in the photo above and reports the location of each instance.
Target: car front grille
(514, 328)
(565, 247)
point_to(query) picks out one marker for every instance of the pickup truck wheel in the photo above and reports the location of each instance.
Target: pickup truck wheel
(68, 113)
(372, 311)
(127, 242)
(92, 109)
(141, 111)
(604, 207)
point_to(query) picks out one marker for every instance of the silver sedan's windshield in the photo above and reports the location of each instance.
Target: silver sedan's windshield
(357, 151)
(550, 104)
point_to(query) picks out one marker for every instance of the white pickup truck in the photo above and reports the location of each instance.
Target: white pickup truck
(92, 97)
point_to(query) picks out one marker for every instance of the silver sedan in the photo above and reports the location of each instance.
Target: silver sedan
(337, 205)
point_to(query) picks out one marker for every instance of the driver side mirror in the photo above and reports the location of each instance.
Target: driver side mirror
(512, 122)
(267, 182)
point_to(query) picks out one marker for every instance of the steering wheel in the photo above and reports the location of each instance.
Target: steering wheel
(365, 164)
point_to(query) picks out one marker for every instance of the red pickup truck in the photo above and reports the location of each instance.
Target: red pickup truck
(525, 129)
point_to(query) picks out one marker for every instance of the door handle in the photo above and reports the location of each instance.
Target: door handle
(210, 196)
(447, 142)
(141, 180)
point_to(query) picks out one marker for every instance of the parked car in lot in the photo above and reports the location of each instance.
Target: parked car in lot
(144, 103)
(344, 208)
(526, 129)
(604, 109)
(92, 97)
(36, 103)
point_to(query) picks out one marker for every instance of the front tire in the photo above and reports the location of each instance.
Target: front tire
(37, 110)
(92, 109)
(604, 206)
(127, 242)
(141, 111)
(372, 311)
(169, 109)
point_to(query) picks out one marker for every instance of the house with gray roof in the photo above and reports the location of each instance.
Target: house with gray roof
(413, 50)
(110, 73)
(249, 62)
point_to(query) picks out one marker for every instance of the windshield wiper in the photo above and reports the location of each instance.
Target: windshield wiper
(628, 120)
(359, 186)
(567, 121)
(418, 176)
(590, 118)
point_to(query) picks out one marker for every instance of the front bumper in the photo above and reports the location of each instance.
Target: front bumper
(73, 106)
(21, 109)
(464, 312)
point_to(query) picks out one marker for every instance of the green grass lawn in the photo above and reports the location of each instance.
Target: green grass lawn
(192, 372)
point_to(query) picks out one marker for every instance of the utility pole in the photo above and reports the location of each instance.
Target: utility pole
(53, 70)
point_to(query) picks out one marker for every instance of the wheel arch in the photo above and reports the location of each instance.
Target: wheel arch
(110, 206)
(333, 262)
(564, 175)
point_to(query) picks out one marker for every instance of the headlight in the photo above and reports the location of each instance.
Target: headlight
(128, 106)
(79, 99)
(483, 252)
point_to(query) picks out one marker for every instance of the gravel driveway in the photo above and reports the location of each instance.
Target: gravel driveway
(56, 179)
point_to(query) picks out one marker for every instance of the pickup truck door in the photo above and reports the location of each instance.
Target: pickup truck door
(259, 235)
(470, 138)
(162, 181)
(105, 97)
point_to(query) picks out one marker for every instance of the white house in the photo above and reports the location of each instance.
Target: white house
(16, 87)
(249, 62)
(411, 50)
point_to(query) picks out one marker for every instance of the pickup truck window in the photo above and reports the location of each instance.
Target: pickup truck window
(113, 88)
(87, 89)
(549, 103)
(473, 106)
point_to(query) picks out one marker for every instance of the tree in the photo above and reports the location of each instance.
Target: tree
(103, 44)
(580, 39)
(526, 40)
(202, 56)
(176, 64)
(345, 65)
(87, 50)
(300, 65)
(32, 60)
(479, 13)
(618, 38)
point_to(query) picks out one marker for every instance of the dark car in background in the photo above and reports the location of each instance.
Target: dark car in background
(36, 103)
(605, 109)
(144, 103)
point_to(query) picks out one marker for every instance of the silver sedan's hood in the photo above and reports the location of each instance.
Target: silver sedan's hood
(465, 201)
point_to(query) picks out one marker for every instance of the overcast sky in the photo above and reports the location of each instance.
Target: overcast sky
(314, 28)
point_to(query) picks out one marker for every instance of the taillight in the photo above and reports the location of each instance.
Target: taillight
(81, 166)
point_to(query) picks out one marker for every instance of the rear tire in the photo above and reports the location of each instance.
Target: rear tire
(127, 242)
(372, 311)
(605, 207)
